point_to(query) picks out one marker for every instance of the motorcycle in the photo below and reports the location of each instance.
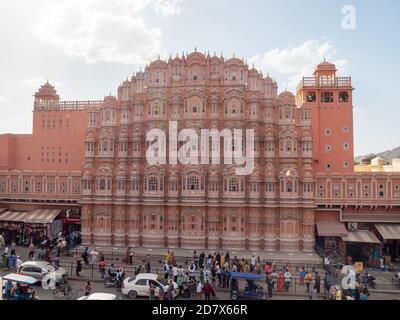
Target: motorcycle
(110, 281)
(369, 281)
(185, 291)
(396, 281)
(138, 269)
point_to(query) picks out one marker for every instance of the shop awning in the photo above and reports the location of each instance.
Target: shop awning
(35, 216)
(331, 228)
(361, 236)
(389, 231)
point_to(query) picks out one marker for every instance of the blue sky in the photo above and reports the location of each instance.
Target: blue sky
(87, 47)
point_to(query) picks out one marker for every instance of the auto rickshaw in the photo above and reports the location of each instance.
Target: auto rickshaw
(253, 288)
(18, 287)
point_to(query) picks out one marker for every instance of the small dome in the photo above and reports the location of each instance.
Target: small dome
(87, 175)
(286, 97)
(47, 90)
(121, 170)
(325, 66)
(110, 101)
(90, 137)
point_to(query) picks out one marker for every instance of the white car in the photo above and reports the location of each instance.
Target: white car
(99, 296)
(139, 286)
(38, 269)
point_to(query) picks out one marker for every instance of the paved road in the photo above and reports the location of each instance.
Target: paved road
(383, 282)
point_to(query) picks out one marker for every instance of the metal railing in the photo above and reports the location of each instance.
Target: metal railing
(296, 286)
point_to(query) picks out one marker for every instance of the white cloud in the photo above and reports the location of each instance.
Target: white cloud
(167, 7)
(2, 99)
(103, 30)
(295, 62)
(38, 82)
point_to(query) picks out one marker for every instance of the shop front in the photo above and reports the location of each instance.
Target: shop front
(329, 232)
(390, 235)
(23, 227)
(71, 220)
(363, 246)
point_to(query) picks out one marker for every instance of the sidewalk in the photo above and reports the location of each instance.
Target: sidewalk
(298, 257)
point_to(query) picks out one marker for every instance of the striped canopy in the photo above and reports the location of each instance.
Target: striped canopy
(35, 216)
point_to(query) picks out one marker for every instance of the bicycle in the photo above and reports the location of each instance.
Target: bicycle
(66, 293)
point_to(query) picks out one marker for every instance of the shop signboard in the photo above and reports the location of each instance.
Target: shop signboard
(359, 266)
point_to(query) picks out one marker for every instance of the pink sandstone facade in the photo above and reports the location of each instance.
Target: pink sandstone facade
(90, 155)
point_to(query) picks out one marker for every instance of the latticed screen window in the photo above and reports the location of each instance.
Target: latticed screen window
(14, 186)
(38, 186)
(76, 187)
(192, 183)
(50, 188)
(2, 186)
(153, 184)
(26, 186)
(233, 185)
(269, 186)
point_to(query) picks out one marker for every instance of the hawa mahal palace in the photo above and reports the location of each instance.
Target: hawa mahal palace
(90, 156)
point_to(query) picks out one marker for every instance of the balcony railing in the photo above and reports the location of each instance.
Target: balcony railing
(324, 82)
(67, 105)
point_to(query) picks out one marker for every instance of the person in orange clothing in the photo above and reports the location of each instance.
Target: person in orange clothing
(280, 282)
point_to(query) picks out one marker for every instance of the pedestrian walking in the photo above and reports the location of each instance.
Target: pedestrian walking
(308, 279)
(192, 288)
(175, 272)
(131, 252)
(171, 290)
(199, 290)
(85, 256)
(161, 294)
(166, 270)
(78, 270)
(288, 277)
(327, 283)
(88, 288)
(318, 282)
(18, 263)
(148, 264)
(152, 291)
(102, 268)
(270, 285)
(208, 289)
(31, 251)
(314, 293)
(56, 261)
(252, 263)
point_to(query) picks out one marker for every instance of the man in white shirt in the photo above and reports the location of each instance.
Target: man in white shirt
(175, 272)
(199, 291)
(288, 277)
(252, 263)
(18, 262)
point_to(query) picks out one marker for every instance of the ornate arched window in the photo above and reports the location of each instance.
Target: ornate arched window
(102, 184)
(104, 145)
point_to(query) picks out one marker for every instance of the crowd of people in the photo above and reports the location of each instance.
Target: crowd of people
(200, 278)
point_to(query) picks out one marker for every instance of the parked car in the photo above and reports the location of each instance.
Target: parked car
(38, 269)
(139, 286)
(99, 296)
